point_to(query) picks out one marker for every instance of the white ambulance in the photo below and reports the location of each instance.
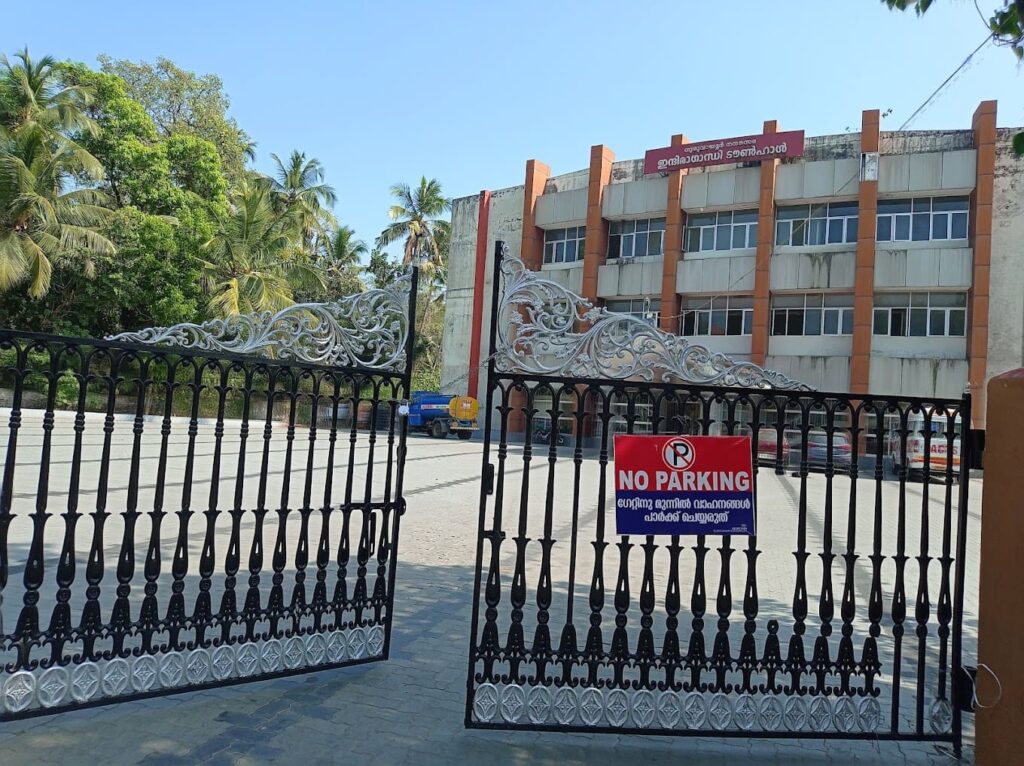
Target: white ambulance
(938, 445)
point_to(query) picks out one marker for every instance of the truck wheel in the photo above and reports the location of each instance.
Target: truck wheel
(464, 434)
(437, 430)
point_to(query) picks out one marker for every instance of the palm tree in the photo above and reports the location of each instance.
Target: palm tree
(41, 218)
(416, 218)
(344, 249)
(298, 184)
(253, 264)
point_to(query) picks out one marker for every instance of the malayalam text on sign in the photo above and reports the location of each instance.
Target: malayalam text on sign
(683, 485)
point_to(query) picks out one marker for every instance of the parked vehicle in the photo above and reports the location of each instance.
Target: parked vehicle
(938, 458)
(768, 447)
(817, 450)
(441, 414)
(542, 434)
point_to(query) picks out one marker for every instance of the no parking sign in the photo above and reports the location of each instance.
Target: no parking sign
(683, 485)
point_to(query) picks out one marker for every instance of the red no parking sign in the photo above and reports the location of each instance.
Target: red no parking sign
(683, 485)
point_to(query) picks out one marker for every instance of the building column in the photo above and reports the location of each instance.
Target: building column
(479, 287)
(984, 126)
(671, 306)
(532, 256)
(864, 279)
(763, 258)
(595, 248)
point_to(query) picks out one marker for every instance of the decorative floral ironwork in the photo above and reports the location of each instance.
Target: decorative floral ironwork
(368, 329)
(546, 329)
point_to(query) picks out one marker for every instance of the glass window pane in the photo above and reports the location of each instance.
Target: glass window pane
(883, 229)
(795, 322)
(703, 320)
(627, 245)
(936, 322)
(570, 250)
(614, 243)
(707, 238)
(739, 237)
(799, 233)
(835, 230)
(957, 322)
(559, 234)
(723, 239)
(892, 299)
(881, 325)
(657, 224)
(744, 216)
(816, 231)
(918, 323)
(922, 205)
(549, 253)
(814, 299)
(700, 219)
(689, 322)
(718, 322)
(778, 323)
(851, 229)
(940, 226)
(819, 211)
(842, 209)
(788, 301)
(752, 235)
(922, 227)
(844, 300)
(812, 322)
(748, 322)
(559, 252)
(641, 226)
(628, 227)
(782, 233)
(692, 240)
(893, 206)
(898, 322)
(847, 321)
(734, 323)
(792, 213)
(615, 228)
(830, 322)
(958, 227)
(724, 218)
(654, 243)
(640, 244)
(950, 203)
(902, 228)
(581, 232)
(741, 302)
(919, 299)
(946, 299)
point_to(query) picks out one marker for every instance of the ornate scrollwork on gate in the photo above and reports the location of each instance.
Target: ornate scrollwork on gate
(368, 329)
(544, 328)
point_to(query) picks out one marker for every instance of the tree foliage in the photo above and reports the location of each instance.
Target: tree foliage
(1006, 23)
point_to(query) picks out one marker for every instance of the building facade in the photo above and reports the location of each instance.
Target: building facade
(881, 262)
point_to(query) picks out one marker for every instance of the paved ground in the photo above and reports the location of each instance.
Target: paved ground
(407, 710)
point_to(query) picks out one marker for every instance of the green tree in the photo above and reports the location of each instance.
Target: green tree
(298, 184)
(416, 218)
(252, 262)
(179, 101)
(43, 217)
(345, 248)
(380, 268)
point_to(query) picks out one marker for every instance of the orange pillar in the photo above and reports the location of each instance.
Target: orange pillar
(671, 306)
(595, 248)
(864, 279)
(1001, 597)
(981, 231)
(763, 259)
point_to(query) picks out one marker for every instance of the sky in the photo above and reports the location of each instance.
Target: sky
(468, 91)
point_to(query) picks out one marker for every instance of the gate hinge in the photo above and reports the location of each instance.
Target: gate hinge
(489, 478)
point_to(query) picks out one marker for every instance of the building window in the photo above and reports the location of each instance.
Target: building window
(642, 308)
(826, 224)
(921, 315)
(922, 219)
(629, 239)
(564, 245)
(812, 314)
(730, 230)
(722, 315)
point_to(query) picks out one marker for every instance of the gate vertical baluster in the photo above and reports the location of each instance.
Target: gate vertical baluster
(721, 658)
(645, 653)
(922, 606)
(821, 662)
(771, 661)
(898, 610)
(796, 662)
(387, 517)
(149, 614)
(870, 663)
(541, 650)
(670, 655)
(176, 619)
(846, 662)
(276, 611)
(10, 461)
(323, 549)
(253, 609)
(60, 630)
(202, 613)
(515, 646)
(92, 627)
(26, 632)
(299, 607)
(966, 458)
(619, 653)
(121, 618)
(568, 652)
(594, 652)
(944, 606)
(340, 598)
(696, 652)
(748, 662)
(363, 552)
(227, 615)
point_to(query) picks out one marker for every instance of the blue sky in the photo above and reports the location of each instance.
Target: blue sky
(468, 91)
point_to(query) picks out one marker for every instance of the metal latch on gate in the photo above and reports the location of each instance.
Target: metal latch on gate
(489, 478)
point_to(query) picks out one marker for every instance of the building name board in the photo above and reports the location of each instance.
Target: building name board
(724, 151)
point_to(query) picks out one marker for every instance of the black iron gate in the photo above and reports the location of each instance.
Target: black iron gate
(841, 618)
(194, 506)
